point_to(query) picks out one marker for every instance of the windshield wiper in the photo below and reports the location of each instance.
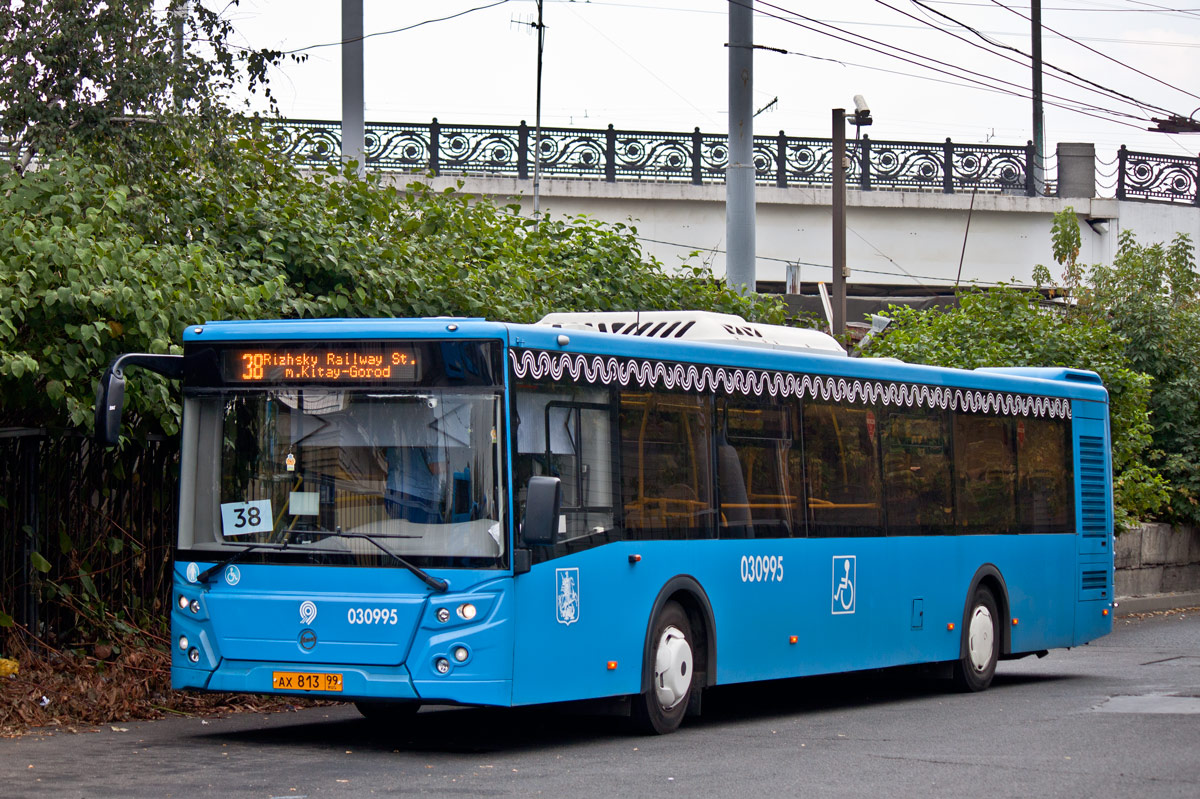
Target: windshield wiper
(204, 576)
(422, 575)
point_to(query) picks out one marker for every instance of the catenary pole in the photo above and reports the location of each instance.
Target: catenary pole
(739, 173)
(353, 122)
(839, 221)
(1039, 121)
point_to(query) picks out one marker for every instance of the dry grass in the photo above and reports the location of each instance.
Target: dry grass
(75, 690)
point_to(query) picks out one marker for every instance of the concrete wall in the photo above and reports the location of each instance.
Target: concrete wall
(1157, 559)
(899, 237)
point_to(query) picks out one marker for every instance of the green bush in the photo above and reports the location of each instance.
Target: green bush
(80, 281)
(100, 259)
(1150, 296)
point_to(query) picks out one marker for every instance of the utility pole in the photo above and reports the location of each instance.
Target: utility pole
(537, 122)
(1039, 123)
(739, 172)
(861, 118)
(353, 123)
(839, 221)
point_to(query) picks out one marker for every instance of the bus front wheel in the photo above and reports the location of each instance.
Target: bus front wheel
(661, 709)
(981, 639)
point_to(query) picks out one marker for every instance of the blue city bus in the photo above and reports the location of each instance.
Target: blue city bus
(622, 506)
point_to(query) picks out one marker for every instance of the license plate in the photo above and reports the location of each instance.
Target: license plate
(306, 681)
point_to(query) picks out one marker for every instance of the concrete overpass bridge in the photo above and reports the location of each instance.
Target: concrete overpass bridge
(922, 216)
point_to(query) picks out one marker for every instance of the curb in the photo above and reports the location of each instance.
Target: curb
(1148, 604)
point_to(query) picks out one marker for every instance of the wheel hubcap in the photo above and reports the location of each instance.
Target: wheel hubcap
(672, 668)
(980, 638)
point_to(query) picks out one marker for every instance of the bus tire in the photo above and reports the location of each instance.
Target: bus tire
(661, 709)
(387, 712)
(981, 643)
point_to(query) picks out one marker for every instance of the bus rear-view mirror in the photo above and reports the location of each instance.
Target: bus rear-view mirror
(110, 398)
(110, 393)
(542, 503)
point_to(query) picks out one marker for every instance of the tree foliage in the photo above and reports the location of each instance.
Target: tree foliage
(1150, 296)
(111, 72)
(96, 263)
(82, 279)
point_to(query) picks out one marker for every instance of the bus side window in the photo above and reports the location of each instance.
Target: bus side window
(580, 455)
(558, 435)
(1045, 479)
(841, 470)
(757, 495)
(666, 449)
(916, 472)
(985, 463)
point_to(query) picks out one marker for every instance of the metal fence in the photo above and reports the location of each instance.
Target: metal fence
(100, 519)
(1150, 176)
(697, 158)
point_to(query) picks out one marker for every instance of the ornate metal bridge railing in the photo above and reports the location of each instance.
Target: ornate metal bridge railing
(700, 158)
(1149, 176)
(611, 155)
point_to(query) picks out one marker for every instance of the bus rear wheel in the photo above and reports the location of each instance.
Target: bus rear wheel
(981, 643)
(661, 709)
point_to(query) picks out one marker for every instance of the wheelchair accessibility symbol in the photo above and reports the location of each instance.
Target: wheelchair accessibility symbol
(843, 584)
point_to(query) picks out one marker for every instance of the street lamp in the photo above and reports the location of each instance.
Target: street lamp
(861, 117)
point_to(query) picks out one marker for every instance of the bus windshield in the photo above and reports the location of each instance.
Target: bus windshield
(344, 471)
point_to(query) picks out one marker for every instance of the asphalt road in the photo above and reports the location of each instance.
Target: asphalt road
(1120, 717)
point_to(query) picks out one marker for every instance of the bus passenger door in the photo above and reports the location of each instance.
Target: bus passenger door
(570, 605)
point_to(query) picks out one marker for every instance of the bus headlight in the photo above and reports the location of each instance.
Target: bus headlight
(443, 615)
(194, 655)
(461, 653)
(183, 602)
(183, 643)
(467, 611)
(442, 665)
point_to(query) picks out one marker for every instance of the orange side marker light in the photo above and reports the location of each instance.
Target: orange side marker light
(612, 665)
(793, 639)
(1015, 622)
(1105, 611)
(950, 626)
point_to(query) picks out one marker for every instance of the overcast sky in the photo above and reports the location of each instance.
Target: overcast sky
(662, 65)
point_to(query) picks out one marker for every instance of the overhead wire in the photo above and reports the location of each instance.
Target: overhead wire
(626, 53)
(774, 259)
(364, 37)
(1102, 55)
(978, 79)
(1091, 85)
(1105, 9)
(1155, 8)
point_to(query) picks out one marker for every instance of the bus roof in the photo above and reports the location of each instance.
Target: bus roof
(771, 351)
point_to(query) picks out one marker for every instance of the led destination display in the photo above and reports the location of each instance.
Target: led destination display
(359, 362)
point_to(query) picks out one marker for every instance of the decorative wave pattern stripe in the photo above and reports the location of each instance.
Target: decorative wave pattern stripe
(602, 370)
